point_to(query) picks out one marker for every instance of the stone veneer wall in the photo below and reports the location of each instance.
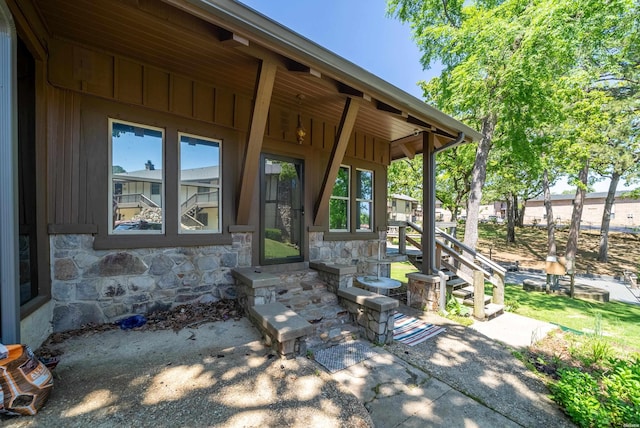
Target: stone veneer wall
(107, 285)
(349, 252)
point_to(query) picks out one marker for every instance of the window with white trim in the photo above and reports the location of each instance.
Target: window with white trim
(339, 202)
(364, 200)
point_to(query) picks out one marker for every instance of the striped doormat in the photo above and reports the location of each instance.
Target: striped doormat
(412, 331)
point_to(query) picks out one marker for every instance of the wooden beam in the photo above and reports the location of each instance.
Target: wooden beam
(352, 92)
(429, 266)
(296, 67)
(232, 39)
(390, 109)
(264, 89)
(345, 128)
(408, 151)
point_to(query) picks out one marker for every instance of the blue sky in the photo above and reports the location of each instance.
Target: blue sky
(357, 30)
(360, 31)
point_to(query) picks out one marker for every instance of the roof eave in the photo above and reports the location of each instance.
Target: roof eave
(286, 42)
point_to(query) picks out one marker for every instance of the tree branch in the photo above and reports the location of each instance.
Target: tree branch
(447, 16)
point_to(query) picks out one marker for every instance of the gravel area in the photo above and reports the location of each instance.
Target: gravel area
(216, 375)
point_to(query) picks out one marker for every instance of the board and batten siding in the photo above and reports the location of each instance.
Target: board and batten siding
(77, 73)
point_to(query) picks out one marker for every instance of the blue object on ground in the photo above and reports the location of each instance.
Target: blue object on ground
(132, 322)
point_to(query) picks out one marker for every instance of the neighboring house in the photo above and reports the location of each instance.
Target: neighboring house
(625, 211)
(404, 208)
(494, 210)
(147, 148)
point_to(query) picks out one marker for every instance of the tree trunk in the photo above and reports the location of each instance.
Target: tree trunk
(551, 228)
(511, 214)
(478, 177)
(520, 218)
(603, 255)
(551, 222)
(574, 230)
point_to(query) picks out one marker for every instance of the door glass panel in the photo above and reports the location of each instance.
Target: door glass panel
(282, 210)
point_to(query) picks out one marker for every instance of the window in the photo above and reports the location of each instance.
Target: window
(139, 183)
(343, 202)
(137, 178)
(364, 200)
(155, 188)
(199, 184)
(339, 203)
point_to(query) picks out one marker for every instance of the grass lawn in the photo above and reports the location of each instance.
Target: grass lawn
(278, 250)
(399, 271)
(619, 322)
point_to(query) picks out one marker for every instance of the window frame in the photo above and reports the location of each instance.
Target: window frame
(163, 183)
(359, 200)
(353, 233)
(343, 198)
(95, 134)
(218, 186)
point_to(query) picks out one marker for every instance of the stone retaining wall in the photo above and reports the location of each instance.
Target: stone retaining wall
(106, 285)
(353, 253)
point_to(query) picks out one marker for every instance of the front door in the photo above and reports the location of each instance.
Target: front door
(282, 216)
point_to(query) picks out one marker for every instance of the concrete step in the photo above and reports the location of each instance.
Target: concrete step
(282, 328)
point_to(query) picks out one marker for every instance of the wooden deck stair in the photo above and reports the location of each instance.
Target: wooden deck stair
(467, 272)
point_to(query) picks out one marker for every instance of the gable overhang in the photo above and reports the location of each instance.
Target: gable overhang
(249, 27)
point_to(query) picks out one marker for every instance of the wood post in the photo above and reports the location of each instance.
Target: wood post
(478, 295)
(402, 239)
(498, 291)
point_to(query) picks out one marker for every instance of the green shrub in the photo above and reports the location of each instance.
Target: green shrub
(511, 305)
(274, 234)
(455, 308)
(610, 397)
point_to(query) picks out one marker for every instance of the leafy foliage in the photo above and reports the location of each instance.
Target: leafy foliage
(531, 75)
(601, 398)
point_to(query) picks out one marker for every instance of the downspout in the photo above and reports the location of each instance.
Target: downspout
(9, 296)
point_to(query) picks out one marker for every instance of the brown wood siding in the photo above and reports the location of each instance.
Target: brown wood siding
(132, 82)
(66, 173)
(76, 70)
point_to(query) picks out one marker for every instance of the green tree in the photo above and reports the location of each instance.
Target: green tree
(503, 63)
(405, 177)
(453, 177)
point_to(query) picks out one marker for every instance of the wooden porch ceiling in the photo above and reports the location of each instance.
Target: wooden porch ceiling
(178, 36)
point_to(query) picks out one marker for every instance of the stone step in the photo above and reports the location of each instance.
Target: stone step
(283, 328)
(309, 297)
(295, 281)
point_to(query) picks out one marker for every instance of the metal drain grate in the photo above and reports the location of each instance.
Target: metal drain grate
(343, 355)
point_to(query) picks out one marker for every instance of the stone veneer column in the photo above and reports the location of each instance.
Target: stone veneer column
(423, 292)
